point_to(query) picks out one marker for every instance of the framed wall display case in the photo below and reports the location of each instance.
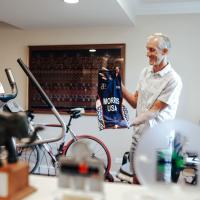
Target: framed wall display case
(69, 73)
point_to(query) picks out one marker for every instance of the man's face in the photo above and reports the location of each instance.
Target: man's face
(154, 53)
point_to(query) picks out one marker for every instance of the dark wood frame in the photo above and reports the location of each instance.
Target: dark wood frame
(53, 49)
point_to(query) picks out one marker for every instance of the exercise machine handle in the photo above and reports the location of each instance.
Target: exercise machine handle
(35, 83)
(48, 102)
(6, 97)
(10, 77)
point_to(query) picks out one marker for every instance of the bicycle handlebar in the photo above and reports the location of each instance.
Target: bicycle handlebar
(6, 97)
(48, 102)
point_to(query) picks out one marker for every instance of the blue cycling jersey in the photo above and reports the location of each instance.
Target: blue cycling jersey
(111, 112)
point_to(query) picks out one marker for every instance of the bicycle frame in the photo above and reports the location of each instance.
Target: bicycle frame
(64, 140)
(65, 128)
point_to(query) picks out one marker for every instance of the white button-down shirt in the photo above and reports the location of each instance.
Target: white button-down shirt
(165, 86)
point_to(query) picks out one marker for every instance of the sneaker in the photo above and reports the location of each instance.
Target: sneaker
(124, 177)
(125, 174)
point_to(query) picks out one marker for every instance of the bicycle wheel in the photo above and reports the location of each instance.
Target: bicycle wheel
(29, 154)
(97, 147)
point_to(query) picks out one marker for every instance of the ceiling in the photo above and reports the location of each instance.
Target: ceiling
(42, 14)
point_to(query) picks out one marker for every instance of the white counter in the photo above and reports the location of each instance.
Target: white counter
(47, 189)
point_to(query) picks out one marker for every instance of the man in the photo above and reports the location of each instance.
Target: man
(157, 93)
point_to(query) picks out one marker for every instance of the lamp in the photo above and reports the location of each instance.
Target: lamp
(71, 1)
(92, 50)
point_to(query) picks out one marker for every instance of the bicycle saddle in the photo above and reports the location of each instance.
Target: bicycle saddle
(76, 112)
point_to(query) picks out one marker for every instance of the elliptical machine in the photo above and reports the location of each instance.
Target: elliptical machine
(13, 123)
(4, 98)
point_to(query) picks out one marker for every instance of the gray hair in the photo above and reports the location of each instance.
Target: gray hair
(164, 41)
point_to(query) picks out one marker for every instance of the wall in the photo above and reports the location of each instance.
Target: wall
(183, 31)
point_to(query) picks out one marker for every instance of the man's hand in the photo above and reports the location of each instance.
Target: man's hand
(143, 117)
(150, 114)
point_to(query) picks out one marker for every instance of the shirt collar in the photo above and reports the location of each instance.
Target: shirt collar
(162, 72)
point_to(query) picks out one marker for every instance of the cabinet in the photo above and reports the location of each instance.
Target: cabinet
(69, 74)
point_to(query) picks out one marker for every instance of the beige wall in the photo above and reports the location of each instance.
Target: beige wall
(183, 30)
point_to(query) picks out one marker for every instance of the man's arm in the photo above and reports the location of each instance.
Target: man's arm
(131, 98)
(158, 106)
(150, 114)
